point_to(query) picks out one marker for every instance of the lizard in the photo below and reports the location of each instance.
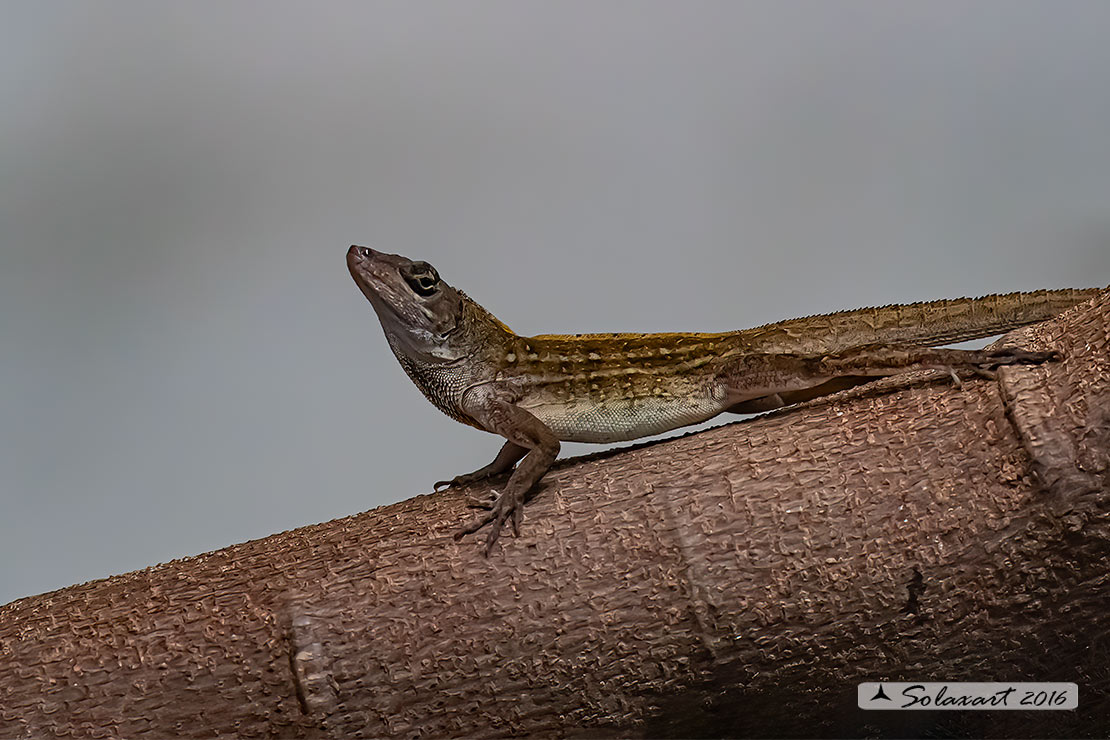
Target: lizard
(538, 391)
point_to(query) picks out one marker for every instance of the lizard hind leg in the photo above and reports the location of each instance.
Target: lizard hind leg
(786, 398)
(763, 382)
(888, 359)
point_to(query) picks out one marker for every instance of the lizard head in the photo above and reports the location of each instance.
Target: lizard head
(421, 314)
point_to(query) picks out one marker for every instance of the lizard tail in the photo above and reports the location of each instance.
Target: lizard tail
(929, 323)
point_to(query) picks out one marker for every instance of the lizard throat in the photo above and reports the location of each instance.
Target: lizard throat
(441, 382)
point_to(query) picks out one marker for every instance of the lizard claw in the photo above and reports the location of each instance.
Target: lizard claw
(458, 480)
(508, 505)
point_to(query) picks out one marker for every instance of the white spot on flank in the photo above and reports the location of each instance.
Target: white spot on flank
(511, 357)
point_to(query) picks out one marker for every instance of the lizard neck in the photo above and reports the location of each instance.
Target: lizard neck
(443, 367)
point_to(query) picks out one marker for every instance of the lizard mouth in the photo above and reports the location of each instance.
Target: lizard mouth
(377, 277)
(357, 255)
(361, 264)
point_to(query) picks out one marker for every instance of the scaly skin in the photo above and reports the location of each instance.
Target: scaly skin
(537, 391)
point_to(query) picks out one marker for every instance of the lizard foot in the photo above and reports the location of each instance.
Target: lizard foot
(460, 480)
(988, 369)
(976, 370)
(490, 471)
(508, 506)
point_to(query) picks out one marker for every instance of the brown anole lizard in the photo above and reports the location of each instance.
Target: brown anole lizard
(538, 391)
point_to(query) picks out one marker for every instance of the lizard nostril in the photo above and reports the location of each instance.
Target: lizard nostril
(357, 251)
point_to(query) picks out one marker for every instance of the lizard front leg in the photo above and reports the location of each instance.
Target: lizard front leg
(525, 432)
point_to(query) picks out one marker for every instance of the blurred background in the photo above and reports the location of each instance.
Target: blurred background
(185, 361)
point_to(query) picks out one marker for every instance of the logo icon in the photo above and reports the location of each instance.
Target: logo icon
(880, 694)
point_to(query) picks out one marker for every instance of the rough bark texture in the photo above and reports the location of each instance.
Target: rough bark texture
(739, 581)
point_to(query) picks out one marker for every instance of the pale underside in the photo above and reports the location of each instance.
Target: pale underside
(619, 420)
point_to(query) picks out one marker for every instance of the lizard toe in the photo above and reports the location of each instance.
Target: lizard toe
(475, 524)
(482, 502)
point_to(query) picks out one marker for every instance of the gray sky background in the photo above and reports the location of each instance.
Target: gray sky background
(186, 363)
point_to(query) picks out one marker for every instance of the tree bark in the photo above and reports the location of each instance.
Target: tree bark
(739, 581)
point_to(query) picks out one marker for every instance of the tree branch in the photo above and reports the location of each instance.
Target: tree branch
(738, 581)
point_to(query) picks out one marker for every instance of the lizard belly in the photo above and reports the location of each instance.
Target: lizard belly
(623, 419)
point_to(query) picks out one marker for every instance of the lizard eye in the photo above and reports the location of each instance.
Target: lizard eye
(422, 278)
